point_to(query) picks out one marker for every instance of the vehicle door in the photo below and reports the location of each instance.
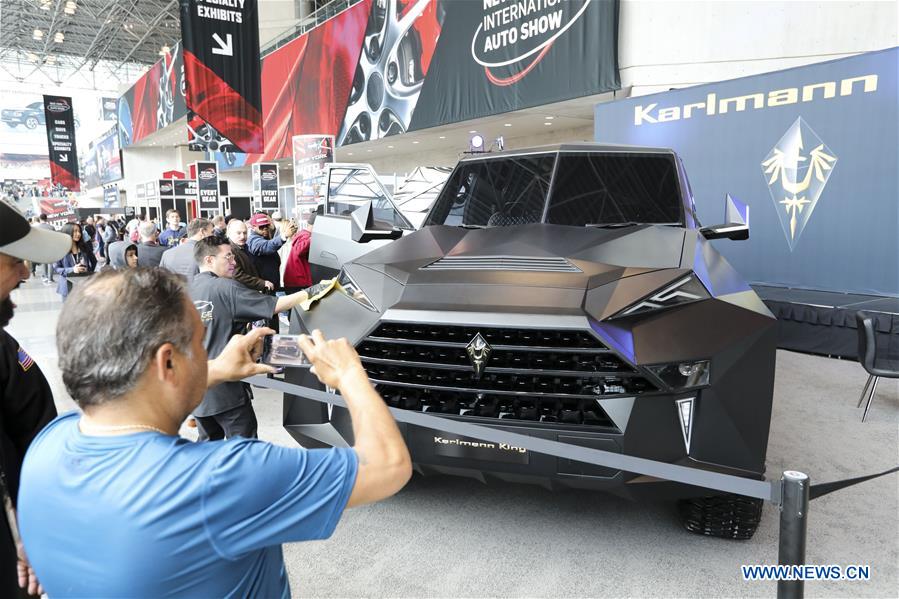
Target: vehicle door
(349, 186)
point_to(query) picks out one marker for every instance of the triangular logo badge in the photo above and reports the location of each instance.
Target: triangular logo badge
(685, 413)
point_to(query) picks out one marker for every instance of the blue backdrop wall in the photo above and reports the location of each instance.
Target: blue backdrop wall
(813, 150)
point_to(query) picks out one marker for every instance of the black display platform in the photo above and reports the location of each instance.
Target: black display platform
(823, 322)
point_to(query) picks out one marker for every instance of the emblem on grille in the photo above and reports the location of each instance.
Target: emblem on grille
(478, 351)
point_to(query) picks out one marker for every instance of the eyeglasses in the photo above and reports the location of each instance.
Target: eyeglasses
(229, 257)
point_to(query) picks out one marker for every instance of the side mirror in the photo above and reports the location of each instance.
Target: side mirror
(365, 228)
(736, 222)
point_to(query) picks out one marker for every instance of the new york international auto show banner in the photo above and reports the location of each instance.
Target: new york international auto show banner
(386, 67)
(58, 211)
(310, 155)
(221, 63)
(60, 123)
(495, 56)
(812, 151)
(208, 185)
(265, 185)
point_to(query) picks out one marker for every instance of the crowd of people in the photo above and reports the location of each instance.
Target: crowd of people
(111, 501)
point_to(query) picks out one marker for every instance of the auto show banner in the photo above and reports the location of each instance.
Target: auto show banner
(310, 155)
(265, 185)
(58, 211)
(496, 56)
(383, 68)
(221, 62)
(812, 150)
(155, 101)
(60, 123)
(207, 185)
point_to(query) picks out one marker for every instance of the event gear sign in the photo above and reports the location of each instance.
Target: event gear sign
(221, 63)
(208, 185)
(60, 123)
(265, 185)
(812, 150)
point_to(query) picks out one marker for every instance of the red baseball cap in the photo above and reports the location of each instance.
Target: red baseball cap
(259, 219)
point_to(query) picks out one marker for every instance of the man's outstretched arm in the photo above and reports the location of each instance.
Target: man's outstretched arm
(384, 463)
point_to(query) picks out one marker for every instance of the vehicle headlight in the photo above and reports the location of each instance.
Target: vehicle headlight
(348, 286)
(683, 291)
(683, 375)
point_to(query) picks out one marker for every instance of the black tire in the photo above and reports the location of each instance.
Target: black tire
(723, 516)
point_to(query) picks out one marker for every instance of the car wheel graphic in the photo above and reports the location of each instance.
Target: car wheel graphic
(31, 122)
(388, 78)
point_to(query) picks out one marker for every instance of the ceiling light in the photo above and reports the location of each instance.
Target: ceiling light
(38, 34)
(369, 151)
(443, 137)
(415, 142)
(45, 5)
(71, 4)
(32, 57)
(472, 131)
(50, 60)
(476, 143)
(58, 37)
(349, 153)
(507, 124)
(549, 118)
(547, 123)
(389, 147)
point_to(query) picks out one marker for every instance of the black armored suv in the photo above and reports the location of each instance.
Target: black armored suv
(569, 293)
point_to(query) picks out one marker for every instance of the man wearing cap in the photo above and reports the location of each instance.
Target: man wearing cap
(27, 400)
(263, 244)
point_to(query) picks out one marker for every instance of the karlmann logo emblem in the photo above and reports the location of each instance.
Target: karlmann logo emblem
(478, 351)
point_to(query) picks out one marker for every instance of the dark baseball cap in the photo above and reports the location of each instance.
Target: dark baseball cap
(20, 240)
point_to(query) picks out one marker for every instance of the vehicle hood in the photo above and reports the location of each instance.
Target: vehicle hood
(535, 268)
(537, 255)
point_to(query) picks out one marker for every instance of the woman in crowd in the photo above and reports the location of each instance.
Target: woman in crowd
(79, 262)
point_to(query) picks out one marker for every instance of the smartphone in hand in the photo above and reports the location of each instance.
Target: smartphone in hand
(283, 350)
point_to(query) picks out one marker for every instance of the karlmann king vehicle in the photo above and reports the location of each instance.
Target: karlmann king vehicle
(568, 293)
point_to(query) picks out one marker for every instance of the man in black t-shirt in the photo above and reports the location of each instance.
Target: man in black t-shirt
(224, 304)
(27, 401)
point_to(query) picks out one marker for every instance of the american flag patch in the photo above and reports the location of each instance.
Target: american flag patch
(25, 360)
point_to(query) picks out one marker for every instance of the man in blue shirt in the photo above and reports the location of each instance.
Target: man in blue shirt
(114, 503)
(174, 230)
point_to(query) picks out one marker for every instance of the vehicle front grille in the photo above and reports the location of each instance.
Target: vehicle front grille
(550, 264)
(530, 375)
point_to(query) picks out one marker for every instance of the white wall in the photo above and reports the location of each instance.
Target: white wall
(146, 164)
(664, 44)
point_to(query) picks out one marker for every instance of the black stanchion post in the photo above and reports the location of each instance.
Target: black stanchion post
(793, 525)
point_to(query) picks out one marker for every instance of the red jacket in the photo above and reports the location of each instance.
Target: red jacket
(296, 273)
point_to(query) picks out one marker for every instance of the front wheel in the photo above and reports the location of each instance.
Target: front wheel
(723, 516)
(31, 122)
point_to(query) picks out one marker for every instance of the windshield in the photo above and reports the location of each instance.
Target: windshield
(605, 189)
(495, 192)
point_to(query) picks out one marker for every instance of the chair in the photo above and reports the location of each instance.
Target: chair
(867, 357)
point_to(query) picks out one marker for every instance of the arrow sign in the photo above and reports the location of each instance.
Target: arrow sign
(225, 47)
(63, 157)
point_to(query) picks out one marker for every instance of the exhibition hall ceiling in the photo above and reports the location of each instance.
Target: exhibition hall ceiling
(85, 32)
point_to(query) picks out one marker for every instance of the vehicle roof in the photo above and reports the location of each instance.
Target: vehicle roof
(569, 147)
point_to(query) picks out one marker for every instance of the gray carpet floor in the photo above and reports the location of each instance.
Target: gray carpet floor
(451, 537)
